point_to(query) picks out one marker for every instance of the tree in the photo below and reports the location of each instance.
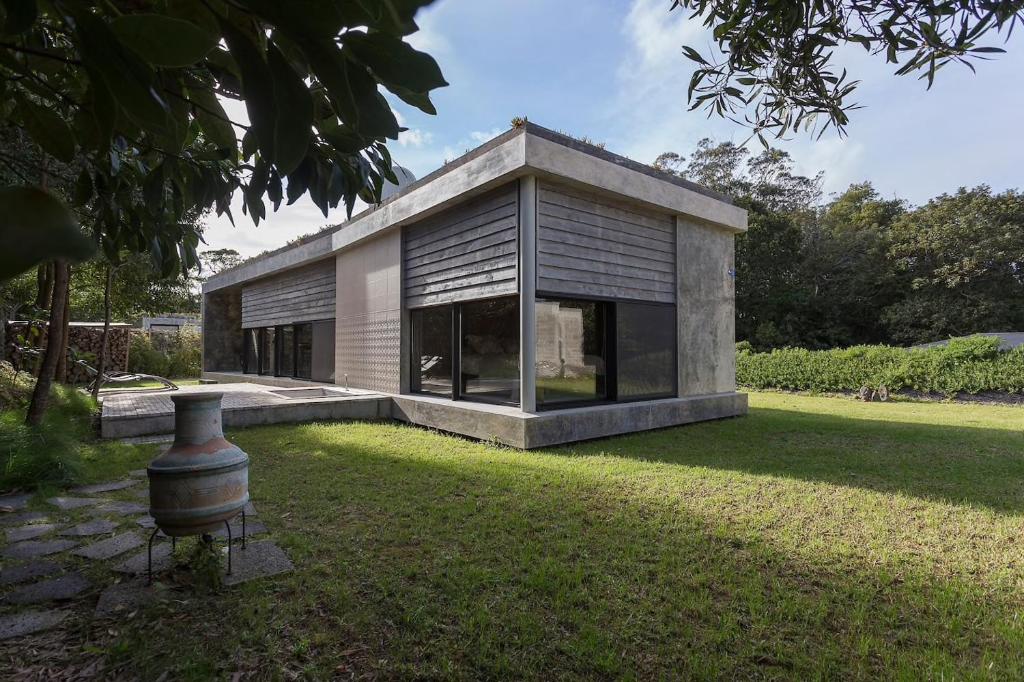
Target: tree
(961, 261)
(777, 65)
(123, 101)
(218, 260)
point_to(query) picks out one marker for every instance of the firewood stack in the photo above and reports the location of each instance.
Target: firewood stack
(84, 341)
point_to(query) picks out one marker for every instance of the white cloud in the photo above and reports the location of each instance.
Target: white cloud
(415, 137)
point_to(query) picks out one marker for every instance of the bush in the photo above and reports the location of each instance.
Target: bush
(971, 365)
(15, 387)
(177, 355)
(49, 454)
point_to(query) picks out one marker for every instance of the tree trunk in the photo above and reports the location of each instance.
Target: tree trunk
(101, 363)
(54, 345)
(44, 285)
(62, 374)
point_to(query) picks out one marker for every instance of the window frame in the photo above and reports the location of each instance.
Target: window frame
(611, 321)
(457, 393)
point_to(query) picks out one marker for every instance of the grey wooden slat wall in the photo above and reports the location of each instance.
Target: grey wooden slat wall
(594, 245)
(300, 295)
(468, 251)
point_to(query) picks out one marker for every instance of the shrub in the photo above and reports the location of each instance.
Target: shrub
(15, 387)
(175, 355)
(971, 365)
(49, 454)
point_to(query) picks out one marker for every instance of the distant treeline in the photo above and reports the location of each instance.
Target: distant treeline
(859, 268)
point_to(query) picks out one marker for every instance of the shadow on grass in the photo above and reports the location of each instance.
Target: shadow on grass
(420, 555)
(971, 465)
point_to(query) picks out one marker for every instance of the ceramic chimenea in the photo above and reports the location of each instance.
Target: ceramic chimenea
(202, 481)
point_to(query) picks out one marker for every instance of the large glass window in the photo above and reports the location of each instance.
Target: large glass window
(646, 350)
(432, 350)
(304, 351)
(286, 351)
(250, 358)
(267, 354)
(571, 351)
(489, 343)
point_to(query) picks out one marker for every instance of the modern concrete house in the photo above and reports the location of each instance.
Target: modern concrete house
(537, 290)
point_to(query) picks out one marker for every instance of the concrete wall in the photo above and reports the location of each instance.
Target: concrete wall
(300, 295)
(465, 252)
(707, 309)
(222, 330)
(369, 299)
(591, 244)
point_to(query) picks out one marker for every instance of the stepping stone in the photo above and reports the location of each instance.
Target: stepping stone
(111, 547)
(25, 623)
(66, 503)
(252, 527)
(28, 571)
(55, 589)
(163, 559)
(122, 508)
(15, 502)
(138, 473)
(94, 527)
(36, 548)
(249, 509)
(141, 493)
(125, 597)
(29, 532)
(24, 517)
(258, 560)
(147, 522)
(107, 487)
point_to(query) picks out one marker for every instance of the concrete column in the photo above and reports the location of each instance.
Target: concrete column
(528, 293)
(706, 305)
(222, 330)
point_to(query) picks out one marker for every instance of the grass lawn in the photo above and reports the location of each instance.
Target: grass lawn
(148, 383)
(817, 537)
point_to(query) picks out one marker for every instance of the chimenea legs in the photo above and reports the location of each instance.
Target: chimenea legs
(174, 546)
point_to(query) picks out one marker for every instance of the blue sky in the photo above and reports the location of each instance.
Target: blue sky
(613, 71)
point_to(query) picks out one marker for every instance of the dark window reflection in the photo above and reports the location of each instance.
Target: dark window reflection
(267, 353)
(571, 353)
(490, 350)
(303, 351)
(286, 351)
(432, 350)
(646, 340)
(250, 359)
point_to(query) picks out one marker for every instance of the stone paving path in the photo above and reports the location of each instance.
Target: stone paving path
(90, 550)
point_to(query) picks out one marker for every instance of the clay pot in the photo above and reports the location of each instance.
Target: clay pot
(202, 480)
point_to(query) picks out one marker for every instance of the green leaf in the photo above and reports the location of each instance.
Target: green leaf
(293, 126)
(129, 79)
(212, 117)
(257, 86)
(394, 62)
(21, 14)
(163, 40)
(83, 188)
(42, 227)
(48, 129)
(352, 91)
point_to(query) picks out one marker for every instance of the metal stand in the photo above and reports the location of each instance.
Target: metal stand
(174, 546)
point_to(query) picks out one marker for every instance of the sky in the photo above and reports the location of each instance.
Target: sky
(613, 71)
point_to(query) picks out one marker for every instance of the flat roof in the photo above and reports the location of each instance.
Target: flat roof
(528, 149)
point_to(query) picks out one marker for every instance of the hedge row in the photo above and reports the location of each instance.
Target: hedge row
(970, 365)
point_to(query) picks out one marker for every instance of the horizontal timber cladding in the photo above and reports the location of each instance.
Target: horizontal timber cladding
(302, 294)
(468, 251)
(594, 245)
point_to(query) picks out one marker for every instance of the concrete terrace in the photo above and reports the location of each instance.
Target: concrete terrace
(134, 414)
(144, 413)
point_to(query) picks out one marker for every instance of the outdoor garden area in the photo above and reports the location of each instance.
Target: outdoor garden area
(815, 537)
